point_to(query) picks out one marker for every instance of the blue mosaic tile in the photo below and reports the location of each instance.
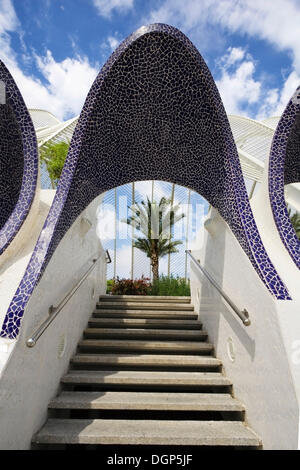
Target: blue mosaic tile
(153, 113)
(284, 168)
(18, 160)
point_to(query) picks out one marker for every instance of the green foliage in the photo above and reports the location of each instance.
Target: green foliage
(130, 286)
(109, 285)
(54, 155)
(155, 221)
(295, 220)
(174, 286)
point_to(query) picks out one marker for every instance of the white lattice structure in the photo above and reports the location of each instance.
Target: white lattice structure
(50, 129)
(43, 119)
(253, 140)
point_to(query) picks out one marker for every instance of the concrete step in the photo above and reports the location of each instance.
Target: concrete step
(171, 347)
(156, 314)
(146, 378)
(135, 333)
(146, 432)
(145, 323)
(146, 360)
(145, 298)
(146, 401)
(145, 306)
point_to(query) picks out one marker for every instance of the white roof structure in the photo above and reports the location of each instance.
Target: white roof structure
(49, 128)
(272, 121)
(42, 118)
(253, 140)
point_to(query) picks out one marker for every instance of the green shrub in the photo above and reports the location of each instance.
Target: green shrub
(173, 286)
(109, 284)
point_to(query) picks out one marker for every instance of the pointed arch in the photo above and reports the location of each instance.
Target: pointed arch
(153, 112)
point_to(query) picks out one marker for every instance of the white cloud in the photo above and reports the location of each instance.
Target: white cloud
(239, 89)
(8, 17)
(144, 189)
(234, 55)
(237, 85)
(123, 261)
(8, 22)
(106, 218)
(276, 21)
(66, 83)
(113, 42)
(276, 100)
(106, 7)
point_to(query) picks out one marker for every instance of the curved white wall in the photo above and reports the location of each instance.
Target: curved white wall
(263, 373)
(14, 260)
(30, 377)
(27, 230)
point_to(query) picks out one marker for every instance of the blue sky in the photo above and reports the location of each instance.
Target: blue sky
(55, 48)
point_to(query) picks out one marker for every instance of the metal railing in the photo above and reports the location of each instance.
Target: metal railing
(108, 258)
(242, 314)
(54, 311)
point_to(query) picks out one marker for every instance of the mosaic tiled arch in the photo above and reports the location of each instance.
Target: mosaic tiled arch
(18, 159)
(284, 168)
(153, 113)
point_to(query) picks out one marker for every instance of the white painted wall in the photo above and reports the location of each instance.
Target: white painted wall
(24, 235)
(30, 377)
(263, 373)
(292, 195)
(14, 260)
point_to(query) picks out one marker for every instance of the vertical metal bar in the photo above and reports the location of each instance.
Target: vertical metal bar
(172, 202)
(115, 240)
(132, 230)
(187, 233)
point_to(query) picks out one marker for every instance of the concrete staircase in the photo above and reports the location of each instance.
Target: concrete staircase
(145, 374)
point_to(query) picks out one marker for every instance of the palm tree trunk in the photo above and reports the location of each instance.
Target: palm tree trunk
(155, 267)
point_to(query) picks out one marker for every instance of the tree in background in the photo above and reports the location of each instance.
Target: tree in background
(54, 155)
(155, 221)
(295, 220)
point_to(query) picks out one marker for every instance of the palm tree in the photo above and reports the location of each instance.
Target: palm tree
(155, 221)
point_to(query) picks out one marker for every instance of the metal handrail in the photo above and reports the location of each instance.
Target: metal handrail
(54, 311)
(242, 314)
(108, 258)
